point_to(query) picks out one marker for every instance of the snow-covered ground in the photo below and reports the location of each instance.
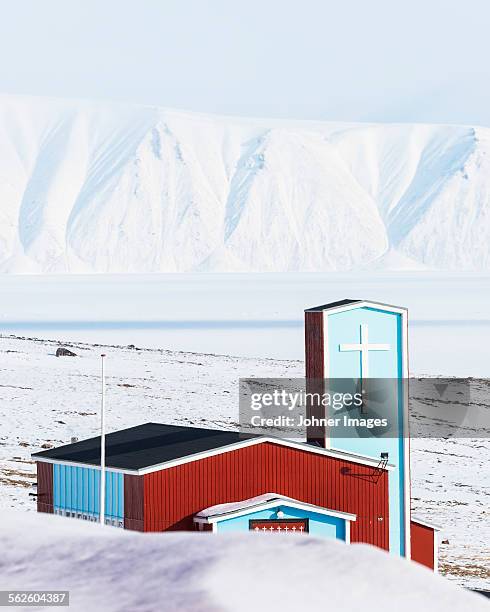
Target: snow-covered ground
(112, 570)
(45, 400)
(94, 187)
(256, 315)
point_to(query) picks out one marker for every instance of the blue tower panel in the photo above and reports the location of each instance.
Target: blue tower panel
(384, 327)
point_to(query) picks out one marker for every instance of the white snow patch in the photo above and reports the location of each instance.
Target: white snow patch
(240, 504)
(111, 570)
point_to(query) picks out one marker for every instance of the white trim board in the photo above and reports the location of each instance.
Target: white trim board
(83, 465)
(426, 524)
(436, 552)
(359, 459)
(364, 304)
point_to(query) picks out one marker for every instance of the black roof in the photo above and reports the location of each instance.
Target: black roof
(331, 305)
(144, 445)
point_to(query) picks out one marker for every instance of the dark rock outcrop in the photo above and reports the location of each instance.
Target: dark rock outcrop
(64, 352)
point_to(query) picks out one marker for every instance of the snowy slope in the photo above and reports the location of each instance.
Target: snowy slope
(98, 187)
(112, 570)
(45, 400)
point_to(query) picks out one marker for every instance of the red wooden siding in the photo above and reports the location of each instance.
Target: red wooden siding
(422, 544)
(314, 345)
(133, 502)
(314, 355)
(44, 487)
(173, 496)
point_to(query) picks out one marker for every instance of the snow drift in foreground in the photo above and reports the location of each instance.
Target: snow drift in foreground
(98, 187)
(107, 569)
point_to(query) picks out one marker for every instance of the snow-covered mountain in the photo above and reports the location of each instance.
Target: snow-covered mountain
(94, 187)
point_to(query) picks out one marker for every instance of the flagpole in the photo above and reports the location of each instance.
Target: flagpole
(102, 446)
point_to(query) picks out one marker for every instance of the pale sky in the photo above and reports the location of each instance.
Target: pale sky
(367, 60)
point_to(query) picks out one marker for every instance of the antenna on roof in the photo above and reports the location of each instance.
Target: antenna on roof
(102, 444)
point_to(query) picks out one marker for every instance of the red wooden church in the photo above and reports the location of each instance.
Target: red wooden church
(166, 477)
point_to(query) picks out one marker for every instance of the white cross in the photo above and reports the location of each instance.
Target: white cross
(364, 347)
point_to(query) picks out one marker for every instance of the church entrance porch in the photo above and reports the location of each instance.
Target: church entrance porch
(273, 513)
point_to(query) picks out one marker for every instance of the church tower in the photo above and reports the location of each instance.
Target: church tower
(363, 345)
